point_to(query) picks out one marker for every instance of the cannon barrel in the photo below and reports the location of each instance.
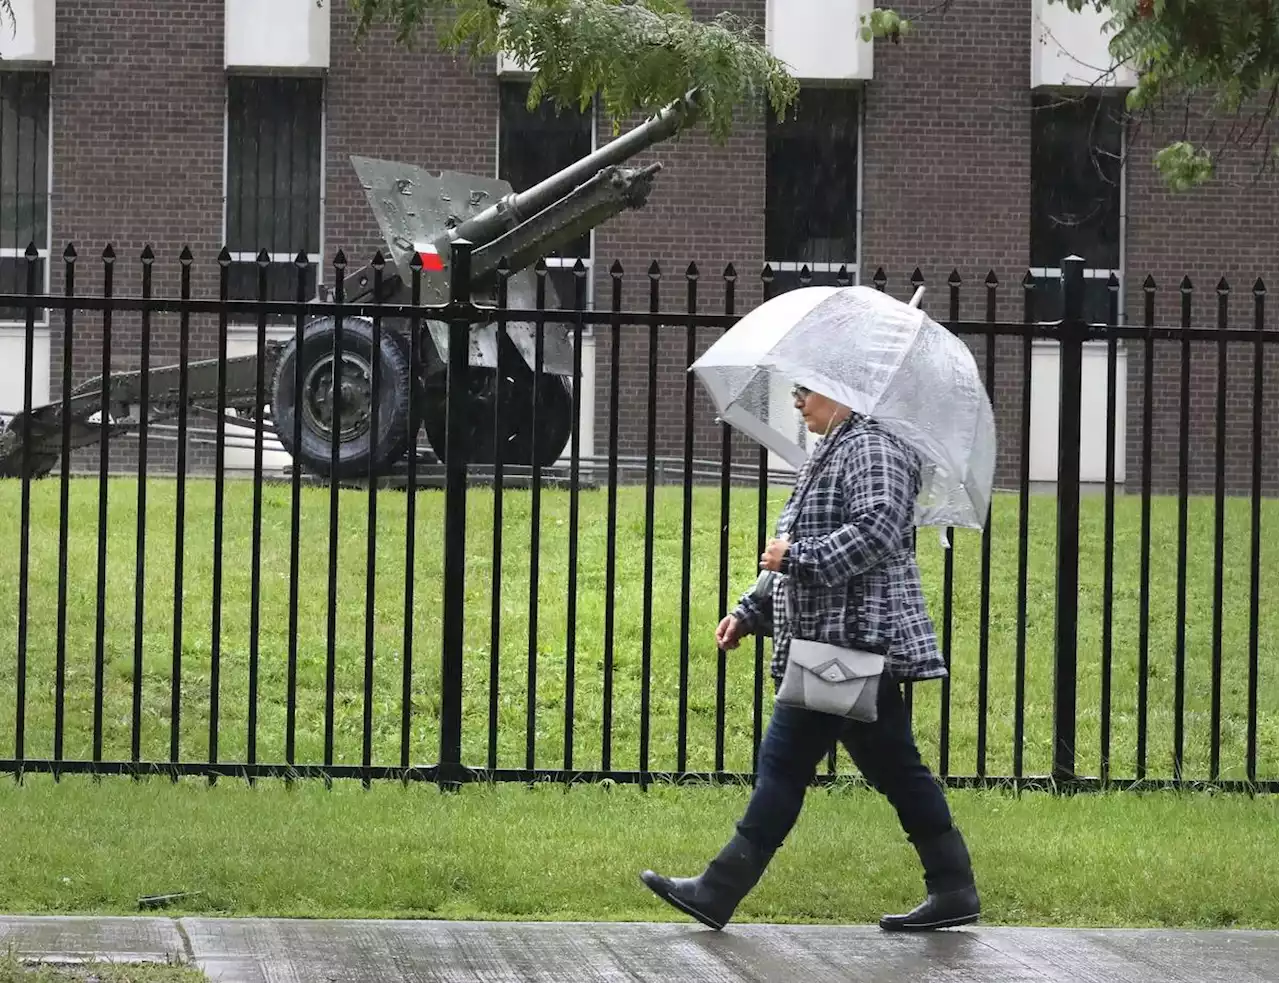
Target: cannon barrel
(513, 209)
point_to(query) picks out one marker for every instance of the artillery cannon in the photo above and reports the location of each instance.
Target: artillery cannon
(419, 214)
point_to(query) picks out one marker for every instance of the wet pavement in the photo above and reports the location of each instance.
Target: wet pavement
(252, 950)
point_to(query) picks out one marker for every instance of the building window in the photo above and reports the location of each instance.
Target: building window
(1077, 153)
(811, 187)
(24, 184)
(531, 147)
(274, 188)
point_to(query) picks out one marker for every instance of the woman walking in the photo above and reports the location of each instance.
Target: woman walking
(848, 577)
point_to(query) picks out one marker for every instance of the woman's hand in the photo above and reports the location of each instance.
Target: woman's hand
(728, 633)
(771, 558)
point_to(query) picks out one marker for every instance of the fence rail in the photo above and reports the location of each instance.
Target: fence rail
(438, 618)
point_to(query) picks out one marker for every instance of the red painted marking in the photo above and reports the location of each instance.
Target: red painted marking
(431, 260)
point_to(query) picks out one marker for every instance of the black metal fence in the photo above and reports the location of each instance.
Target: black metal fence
(553, 622)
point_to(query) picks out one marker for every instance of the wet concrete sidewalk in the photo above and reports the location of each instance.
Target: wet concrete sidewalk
(333, 951)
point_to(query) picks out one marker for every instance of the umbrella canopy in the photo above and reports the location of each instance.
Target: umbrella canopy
(881, 358)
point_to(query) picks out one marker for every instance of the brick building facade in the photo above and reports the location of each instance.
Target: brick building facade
(127, 122)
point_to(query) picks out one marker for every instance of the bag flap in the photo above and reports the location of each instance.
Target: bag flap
(834, 663)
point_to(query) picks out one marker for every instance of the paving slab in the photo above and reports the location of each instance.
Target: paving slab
(274, 951)
(85, 938)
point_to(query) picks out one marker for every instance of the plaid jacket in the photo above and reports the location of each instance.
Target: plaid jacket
(851, 568)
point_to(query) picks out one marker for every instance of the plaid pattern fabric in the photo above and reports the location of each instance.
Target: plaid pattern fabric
(851, 569)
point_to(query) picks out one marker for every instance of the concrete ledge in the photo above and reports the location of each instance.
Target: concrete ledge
(89, 938)
(254, 950)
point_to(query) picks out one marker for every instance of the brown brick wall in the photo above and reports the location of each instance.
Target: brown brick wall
(707, 207)
(138, 133)
(947, 179)
(420, 106)
(1226, 230)
(137, 116)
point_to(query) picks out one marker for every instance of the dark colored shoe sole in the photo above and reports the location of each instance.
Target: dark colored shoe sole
(897, 926)
(655, 884)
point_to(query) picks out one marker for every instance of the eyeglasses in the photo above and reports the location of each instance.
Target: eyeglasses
(799, 392)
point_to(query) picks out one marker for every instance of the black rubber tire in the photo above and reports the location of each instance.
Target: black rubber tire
(364, 452)
(555, 417)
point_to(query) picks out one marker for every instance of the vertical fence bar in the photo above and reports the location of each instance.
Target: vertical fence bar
(139, 576)
(64, 508)
(499, 479)
(180, 514)
(1144, 545)
(219, 508)
(255, 549)
(24, 547)
(335, 425)
(691, 353)
(535, 520)
(762, 518)
(1074, 331)
(611, 518)
(1255, 529)
(1219, 532)
(453, 618)
(806, 279)
(411, 503)
(726, 465)
(1184, 460)
(1109, 532)
(300, 264)
(1024, 532)
(575, 474)
(984, 615)
(651, 436)
(104, 409)
(845, 279)
(948, 582)
(371, 534)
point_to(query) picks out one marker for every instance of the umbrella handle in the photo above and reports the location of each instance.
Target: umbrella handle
(915, 298)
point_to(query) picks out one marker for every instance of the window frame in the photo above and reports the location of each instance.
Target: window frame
(853, 264)
(1052, 273)
(557, 262)
(43, 252)
(276, 330)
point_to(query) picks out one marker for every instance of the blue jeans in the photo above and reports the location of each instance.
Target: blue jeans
(885, 753)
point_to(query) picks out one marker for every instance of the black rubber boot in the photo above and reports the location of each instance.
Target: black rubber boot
(714, 895)
(948, 877)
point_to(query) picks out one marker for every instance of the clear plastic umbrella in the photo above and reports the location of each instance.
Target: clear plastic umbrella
(880, 357)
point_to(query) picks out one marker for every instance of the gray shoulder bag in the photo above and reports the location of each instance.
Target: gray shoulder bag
(828, 678)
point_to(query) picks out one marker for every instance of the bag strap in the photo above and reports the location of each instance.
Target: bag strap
(818, 464)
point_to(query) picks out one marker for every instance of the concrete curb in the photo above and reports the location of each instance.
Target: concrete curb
(263, 950)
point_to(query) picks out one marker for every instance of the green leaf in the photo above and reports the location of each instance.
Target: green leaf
(637, 56)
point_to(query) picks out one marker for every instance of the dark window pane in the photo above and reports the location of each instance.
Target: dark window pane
(784, 280)
(1075, 180)
(282, 284)
(1047, 300)
(564, 285)
(273, 164)
(811, 179)
(24, 159)
(534, 145)
(13, 280)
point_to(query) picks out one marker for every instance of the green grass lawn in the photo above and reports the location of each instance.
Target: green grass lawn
(587, 694)
(515, 852)
(13, 970)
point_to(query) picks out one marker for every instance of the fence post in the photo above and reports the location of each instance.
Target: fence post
(450, 772)
(1071, 354)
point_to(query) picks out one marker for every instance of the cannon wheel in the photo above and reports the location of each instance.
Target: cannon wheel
(360, 450)
(555, 417)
